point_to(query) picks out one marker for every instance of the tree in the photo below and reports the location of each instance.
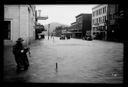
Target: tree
(58, 30)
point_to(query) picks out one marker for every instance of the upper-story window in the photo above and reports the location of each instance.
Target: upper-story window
(97, 20)
(93, 21)
(104, 10)
(105, 17)
(93, 14)
(100, 11)
(96, 12)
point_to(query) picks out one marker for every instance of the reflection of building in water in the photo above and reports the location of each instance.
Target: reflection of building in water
(106, 22)
(19, 21)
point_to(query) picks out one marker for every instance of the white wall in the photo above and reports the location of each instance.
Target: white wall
(101, 15)
(11, 13)
(21, 22)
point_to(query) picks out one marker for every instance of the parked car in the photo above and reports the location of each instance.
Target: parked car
(62, 37)
(89, 38)
(68, 37)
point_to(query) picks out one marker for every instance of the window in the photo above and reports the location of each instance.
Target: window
(96, 12)
(99, 19)
(99, 12)
(94, 21)
(93, 14)
(104, 9)
(7, 28)
(103, 18)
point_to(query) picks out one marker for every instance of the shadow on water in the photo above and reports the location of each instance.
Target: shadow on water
(16, 76)
(18, 79)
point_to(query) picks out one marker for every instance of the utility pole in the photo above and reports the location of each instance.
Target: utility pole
(48, 30)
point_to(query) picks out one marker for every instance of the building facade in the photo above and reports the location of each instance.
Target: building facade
(107, 22)
(74, 30)
(99, 22)
(19, 21)
(81, 26)
(115, 16)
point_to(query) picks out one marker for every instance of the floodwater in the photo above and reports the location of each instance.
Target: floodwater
(72, 61)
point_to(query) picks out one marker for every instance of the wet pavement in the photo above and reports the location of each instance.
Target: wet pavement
(78, 61)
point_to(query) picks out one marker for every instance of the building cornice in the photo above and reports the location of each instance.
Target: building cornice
(98, 6)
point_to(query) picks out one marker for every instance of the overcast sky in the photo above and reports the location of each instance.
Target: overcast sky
(64, 14)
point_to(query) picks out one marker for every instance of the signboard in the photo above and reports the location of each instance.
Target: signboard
(42, 18)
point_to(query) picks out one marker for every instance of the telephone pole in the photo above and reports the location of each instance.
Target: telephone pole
(48, 30)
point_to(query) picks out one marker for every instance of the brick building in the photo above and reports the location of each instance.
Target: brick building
(81, 26)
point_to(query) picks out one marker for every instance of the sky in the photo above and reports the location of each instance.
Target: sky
(64, 14)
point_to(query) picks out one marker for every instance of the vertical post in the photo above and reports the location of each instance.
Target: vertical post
(106, 32)
(56, 67)
(48, 30)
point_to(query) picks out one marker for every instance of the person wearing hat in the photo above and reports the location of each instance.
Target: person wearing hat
(20, 55)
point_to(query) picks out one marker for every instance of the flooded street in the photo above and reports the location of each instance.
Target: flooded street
(78, 61)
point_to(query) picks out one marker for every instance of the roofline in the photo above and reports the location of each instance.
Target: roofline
(73, 22)
(83, 14)
(98, 6)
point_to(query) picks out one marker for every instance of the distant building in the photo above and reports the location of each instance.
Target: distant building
(73, 29)
(84, 22)
(19, 21)
(82, 25)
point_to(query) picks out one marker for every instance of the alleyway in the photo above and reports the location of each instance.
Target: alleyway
(79, 61)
